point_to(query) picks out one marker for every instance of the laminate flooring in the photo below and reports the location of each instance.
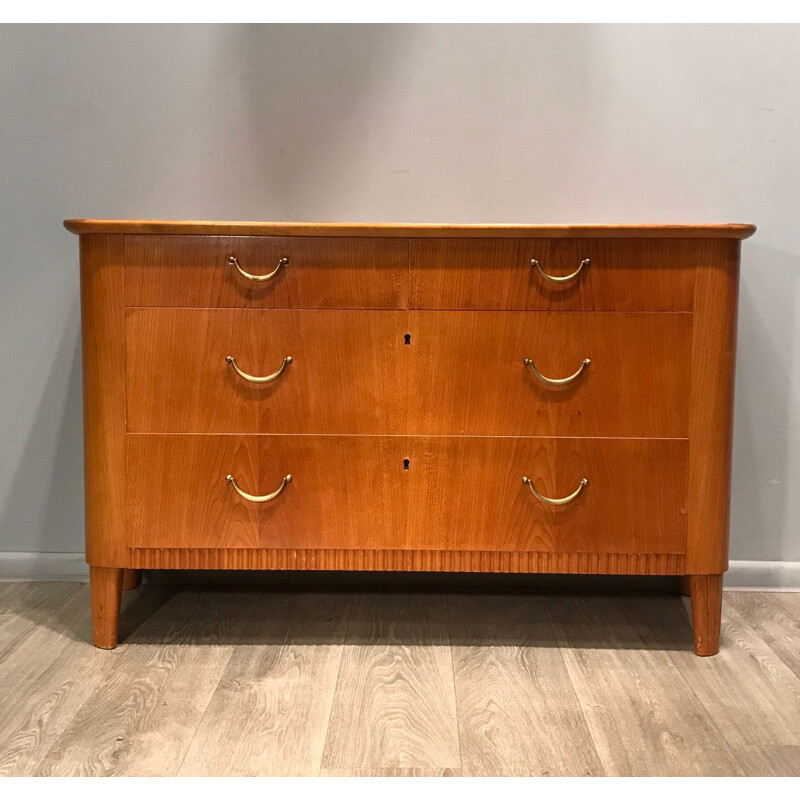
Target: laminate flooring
(216, 681)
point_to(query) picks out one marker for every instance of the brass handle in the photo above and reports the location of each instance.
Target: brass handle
(557, 381)
(565, 278)
(258, 498)
(282, 262)
(556, 501)
(259, 378)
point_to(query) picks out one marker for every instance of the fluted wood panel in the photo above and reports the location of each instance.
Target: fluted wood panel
(411, 561)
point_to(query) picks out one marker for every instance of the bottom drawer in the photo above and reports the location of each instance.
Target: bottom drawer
(407, 493)
(343, 491)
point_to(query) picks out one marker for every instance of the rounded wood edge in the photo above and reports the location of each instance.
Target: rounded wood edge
(221, 228)
(706, 595)
(106, 591)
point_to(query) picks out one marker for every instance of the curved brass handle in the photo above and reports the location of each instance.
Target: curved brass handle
(282, 262)
(256, 378)
(565, 278)
(256, 498)
(557, 381)
(556, 501)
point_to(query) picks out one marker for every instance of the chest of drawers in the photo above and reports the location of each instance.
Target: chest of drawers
(423, 397)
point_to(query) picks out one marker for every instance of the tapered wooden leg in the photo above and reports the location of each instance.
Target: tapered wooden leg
(685, 588)
(132, 579)
(106, 587)
(706, 593)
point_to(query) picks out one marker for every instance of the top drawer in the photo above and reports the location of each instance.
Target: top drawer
(196, 271)
(497, 274)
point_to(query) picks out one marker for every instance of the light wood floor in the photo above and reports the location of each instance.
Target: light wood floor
(259, 682)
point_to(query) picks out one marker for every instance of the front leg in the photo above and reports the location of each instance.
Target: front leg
(706, 593)
(106, 590)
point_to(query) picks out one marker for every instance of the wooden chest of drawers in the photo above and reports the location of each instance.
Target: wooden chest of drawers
(388, 397)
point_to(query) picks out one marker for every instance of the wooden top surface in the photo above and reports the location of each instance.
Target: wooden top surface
(185, 227)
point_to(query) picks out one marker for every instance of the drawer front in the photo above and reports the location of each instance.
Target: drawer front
(468, 375)
(462, 373)
(466, 493)
(346, 372)
(622, 274)
(343, 492)
(195, 271)
(384, 493)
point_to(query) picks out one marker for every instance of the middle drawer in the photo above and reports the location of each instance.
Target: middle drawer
(408, 372)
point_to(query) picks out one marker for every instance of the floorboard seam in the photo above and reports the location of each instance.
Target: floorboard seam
(560, 648)
(336, 683)
(455, 691)
(222, 672)
(659, 639)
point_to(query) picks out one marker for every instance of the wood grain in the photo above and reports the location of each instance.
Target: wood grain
(106, 584)
(460, 493)
(103, 326)
(168, 700)
(395, 702)
(152, 226)
(706, 594)
(26, 655)
(390, 772)
(58, 672)
(775, 616)
(467, 376)
(463, 373)
(513, 691)
(348, 372)
(321, 273)
(643, 716)
(411, 560)
(624, 275)
(770, 761)
(467, 494)
(24, 605)
(141, 720)
(448, 423)
(269, 715)
(345, 492)
(764, 709)
(711, 411)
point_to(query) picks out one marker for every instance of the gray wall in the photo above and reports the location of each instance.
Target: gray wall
(418, 124)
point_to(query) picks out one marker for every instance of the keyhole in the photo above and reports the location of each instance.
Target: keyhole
(406, 463)
(408, 341)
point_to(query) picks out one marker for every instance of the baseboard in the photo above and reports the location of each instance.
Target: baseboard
(762, 575)
(43, 567)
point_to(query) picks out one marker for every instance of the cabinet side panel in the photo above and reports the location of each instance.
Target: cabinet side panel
(103, 326)
(711, 411)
